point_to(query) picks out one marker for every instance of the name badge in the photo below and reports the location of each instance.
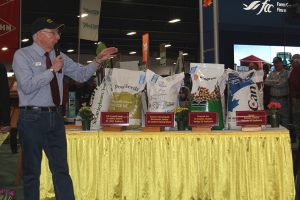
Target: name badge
(37, 64)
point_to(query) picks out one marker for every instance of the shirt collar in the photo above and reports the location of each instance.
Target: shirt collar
(40, 50)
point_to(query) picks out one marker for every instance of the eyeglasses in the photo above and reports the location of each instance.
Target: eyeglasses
(55, 33)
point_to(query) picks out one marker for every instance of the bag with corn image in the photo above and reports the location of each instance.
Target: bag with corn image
(206, 94)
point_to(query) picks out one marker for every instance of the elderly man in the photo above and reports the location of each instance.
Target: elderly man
(39, 71)
(279, 89)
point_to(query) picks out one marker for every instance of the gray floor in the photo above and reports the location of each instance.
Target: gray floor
(8, 168)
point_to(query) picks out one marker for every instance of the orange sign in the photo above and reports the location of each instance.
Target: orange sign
(145, 48)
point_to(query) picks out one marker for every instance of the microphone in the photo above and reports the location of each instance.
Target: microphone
(57, 53)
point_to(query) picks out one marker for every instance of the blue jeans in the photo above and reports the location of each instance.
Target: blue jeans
(43, 130)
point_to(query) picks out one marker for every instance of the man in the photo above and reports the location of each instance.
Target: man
(39, 73)
(279, 90)
(253, 65)
(4, 99)
(294, 84)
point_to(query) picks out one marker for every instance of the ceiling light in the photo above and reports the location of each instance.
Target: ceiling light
(89, 61)
(25, 40)
(168, 45)
(83, 15)
(158, 58)
(4, 48)
(185, 54)
(174, 63)
(174, 21)
(132, 52)
(70, 50)
(131, 33)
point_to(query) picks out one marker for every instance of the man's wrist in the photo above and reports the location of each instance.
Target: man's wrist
(98, 61)
(53, 71)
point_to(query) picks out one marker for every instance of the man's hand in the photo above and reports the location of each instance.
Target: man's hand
(105, 54)
(57, 63)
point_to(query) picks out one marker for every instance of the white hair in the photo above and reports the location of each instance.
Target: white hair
(34, 37)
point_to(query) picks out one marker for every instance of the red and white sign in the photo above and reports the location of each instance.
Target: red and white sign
(9, 28)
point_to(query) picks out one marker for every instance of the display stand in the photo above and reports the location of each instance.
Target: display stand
(153, 129)
(201, 129)
(113, 128)
(251, 128)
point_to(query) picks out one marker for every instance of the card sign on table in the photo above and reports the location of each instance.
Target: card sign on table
(154, 121)
(114, 119)
(203, 121)
(251, 118)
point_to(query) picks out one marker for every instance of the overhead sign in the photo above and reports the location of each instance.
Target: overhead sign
(163, 55)
(269, 13)
(89, 19)
(145, 48)
(9, 28)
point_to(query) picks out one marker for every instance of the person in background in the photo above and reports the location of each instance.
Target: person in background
(294, 84)
(4, 99)
(253, 65)
(266, 90)
(279, 89)
(39, 73)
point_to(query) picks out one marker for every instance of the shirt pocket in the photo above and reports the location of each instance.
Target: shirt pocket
(38, 68)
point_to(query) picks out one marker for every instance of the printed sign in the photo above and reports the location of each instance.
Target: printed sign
(160, 119)
(114, 119)
(203, 119)
(9, 28)
(269, 13)
(89, 19)
(244, 118)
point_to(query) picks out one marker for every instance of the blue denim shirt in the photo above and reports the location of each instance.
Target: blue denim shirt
(33, 77)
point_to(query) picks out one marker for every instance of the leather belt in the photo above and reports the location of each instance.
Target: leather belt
(37, 108)
(279, 97)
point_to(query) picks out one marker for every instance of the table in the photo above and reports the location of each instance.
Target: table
(229, 165)
(3, 137)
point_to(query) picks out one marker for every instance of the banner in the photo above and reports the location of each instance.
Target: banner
(9, 28)
(89, 25)
(163, 55)
(267, 13)
(145, 48)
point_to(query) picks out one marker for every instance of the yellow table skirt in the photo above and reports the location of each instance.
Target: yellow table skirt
(177, 165)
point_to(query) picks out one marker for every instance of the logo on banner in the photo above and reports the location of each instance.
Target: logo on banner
(3, 2)
(265, 7)
(5, 27)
